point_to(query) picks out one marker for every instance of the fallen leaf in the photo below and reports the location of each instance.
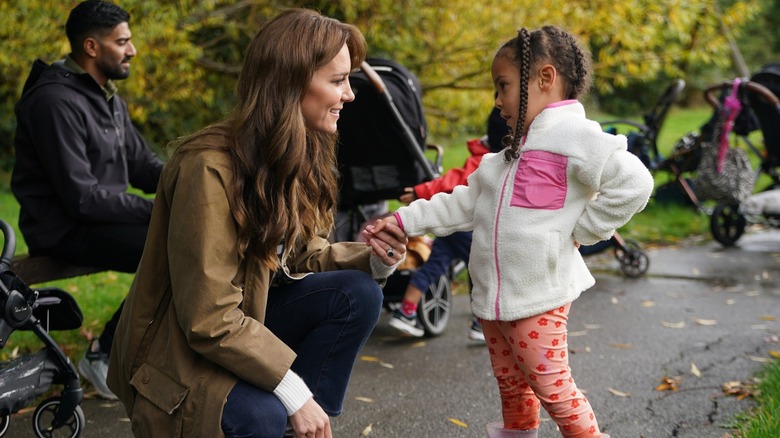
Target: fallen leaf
(705, 321)
(614, 300)
(767, 318)
(367, 430)
(592, 326)
(775, 354)
(457, 422)
(731, 301)
(365, 399)
(695, 370)
(622, 346)
(579, 333)
(695, 271)
(674, 325)
(386, 365)
(369, 359)
(648, 303)
(618, 393)
(739, 389)
(669, 384)
(418, 344)
(753, 293)
(760, 359)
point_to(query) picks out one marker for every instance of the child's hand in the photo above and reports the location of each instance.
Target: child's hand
(408, 195)
(387, 240)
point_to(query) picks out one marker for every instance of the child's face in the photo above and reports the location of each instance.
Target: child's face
(506, 79)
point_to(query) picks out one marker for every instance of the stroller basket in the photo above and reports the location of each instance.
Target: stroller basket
(24, 379)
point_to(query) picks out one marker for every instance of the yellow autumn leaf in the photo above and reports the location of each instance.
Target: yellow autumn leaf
(618, 393)
(674, 325)
(695, 370)
(369, 359)
(767, 318)
(364, 399)
(648, 303)
(418, 344)
(367, 430)
(457, 422)
(775, 354)
(705, 321)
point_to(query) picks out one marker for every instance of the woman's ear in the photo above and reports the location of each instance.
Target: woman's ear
(547, 77)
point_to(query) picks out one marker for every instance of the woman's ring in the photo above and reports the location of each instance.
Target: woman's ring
(390, 252)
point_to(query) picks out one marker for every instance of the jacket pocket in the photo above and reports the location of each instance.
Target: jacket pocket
(540, 181)
(157, 403)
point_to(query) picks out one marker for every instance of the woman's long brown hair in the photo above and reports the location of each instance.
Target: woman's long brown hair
(285, 180)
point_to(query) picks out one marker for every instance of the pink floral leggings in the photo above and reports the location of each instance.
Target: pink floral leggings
(530, 361)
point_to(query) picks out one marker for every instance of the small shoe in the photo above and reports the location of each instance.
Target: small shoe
(409, 325)
(475, 331)
(94, 367)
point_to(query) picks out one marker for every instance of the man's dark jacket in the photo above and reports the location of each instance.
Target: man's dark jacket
(76, 155)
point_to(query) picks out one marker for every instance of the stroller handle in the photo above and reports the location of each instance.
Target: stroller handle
(409, 141)
(9, 245)
(750, 86)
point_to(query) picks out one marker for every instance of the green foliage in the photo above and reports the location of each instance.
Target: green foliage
(189, 52)
(764, 420)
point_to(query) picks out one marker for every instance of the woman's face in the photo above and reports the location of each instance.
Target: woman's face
(328, 90)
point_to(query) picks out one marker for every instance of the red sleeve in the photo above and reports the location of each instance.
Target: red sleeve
(453, 177)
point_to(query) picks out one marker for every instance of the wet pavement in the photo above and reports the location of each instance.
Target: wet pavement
(703, 317)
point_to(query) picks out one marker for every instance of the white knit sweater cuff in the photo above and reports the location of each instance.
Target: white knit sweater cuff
(379, 270)
(292, 392)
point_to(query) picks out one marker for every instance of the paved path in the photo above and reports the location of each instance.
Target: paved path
(704, 315)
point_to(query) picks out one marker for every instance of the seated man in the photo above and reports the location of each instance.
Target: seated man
(446, 249)
(76, 154)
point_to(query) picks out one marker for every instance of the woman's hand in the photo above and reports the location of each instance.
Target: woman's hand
(387, 240)
(310, 421)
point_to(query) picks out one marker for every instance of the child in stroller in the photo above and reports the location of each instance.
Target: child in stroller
(24, 379)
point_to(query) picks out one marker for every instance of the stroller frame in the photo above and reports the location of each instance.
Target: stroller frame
(32, 375)
(366, 187)
(727, 222)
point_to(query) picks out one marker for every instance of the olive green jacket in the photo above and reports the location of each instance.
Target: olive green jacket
(192, 323)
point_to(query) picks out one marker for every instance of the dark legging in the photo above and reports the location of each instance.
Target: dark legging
(115, 247)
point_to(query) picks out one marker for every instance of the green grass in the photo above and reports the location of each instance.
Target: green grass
(764, 420)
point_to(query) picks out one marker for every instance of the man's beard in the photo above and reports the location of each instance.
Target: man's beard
(115, 72)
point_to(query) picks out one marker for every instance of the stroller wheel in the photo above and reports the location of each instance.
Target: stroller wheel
(634, 262)
(5, 421)
(436, 306)
(45, 414)
(727, 224)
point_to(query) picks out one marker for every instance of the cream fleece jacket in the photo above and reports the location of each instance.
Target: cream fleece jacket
(572, 183)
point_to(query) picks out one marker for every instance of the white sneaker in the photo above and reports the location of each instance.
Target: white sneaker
(94, 367)
(475, 331)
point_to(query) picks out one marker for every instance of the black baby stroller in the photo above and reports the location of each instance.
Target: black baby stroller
(382, 149)
(642, 141)
(759, 101)
(26, 378)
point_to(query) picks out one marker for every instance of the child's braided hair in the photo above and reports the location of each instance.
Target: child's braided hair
(553, 45)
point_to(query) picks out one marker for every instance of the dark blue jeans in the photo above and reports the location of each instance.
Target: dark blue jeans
(445, 250)
(325, 318)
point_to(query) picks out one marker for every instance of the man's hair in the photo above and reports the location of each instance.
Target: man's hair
(93, 16)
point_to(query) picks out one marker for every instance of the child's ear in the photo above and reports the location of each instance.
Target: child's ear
(547, 77)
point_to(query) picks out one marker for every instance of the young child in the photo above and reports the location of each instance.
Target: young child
(562, 182)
